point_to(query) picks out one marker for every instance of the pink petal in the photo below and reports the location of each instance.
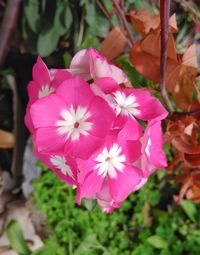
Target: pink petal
(75, 91)
(33, 89)
(132, 150)
(47, 140)
(132, 130)
(102, 117)
(41, 73)
(80, 65)
(84, 147)
(91, 185)
(42, 112)
(60, 76)
(156, 154)
(125, 183)
(106, 84)
(28, 121)
(149, 106)
(45, 158)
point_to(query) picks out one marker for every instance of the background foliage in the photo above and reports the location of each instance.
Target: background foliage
(149, 221)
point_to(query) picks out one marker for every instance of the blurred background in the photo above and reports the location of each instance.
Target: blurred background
(37, 211)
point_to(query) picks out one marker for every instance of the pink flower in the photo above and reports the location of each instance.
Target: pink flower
(72, 120)
(93, 136)
(64, 166)
(111, 163)
(44, 83)
(90, 64)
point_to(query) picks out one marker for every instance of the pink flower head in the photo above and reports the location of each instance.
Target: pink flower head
(64, 166)
(92, 135)
(44, 83)
(72, 120)
(90, 64)
(111, 163)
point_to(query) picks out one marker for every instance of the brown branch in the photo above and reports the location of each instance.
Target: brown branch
(164, 22)
(123, 19)
(8, 26)
(107, 14)
(191, 113)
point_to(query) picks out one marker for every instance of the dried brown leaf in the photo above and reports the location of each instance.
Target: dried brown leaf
(7, 139)
(114, 43)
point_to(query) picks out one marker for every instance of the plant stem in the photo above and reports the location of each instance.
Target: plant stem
(8, 26)
(124, 21)
(164, 23)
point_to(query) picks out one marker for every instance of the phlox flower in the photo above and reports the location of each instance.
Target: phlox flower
(112, 163)
(129, 102)
(71, 121)
(91, 131)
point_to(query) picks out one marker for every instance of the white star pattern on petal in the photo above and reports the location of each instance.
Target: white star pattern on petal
(109, 161)
(45, 91)
(74, 123)
(125, 105)
(60, 163)
(147, 149)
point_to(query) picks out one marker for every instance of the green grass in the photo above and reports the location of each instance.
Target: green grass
(147, 223)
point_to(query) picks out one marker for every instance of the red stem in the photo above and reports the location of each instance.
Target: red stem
(164, 23)
(124, 21)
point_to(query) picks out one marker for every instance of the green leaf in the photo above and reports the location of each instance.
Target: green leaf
(157, 242)
(47, 42)
(58, 24)
(63, 18)
(16, 239)
(68, 19)
(31, 10)
(46, 250)
(90, 41)
(90, 14)
(108, 5)
(99, 30)
(67, 59)
(189, 208)
(88, 245)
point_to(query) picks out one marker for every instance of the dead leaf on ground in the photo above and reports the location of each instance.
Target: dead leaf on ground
(7, 139)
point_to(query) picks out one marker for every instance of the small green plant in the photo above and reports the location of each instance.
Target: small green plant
(149, 222)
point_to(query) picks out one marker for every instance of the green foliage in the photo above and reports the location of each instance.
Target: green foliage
(16, 238)
(46, 23)
(147, 223)
(18, 243)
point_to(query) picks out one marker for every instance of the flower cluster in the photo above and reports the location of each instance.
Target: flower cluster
(89, 129)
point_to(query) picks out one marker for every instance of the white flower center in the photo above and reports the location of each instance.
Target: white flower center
(60, 163)
(110, 161)
(125, 105)
(45, 91)
(74, 123)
